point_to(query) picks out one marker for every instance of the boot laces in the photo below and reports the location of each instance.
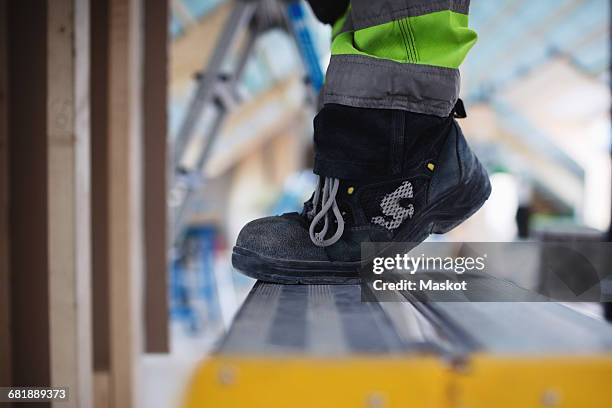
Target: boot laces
(325, 198)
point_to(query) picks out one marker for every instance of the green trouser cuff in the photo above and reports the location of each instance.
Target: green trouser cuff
(399, 54)
(366, 82)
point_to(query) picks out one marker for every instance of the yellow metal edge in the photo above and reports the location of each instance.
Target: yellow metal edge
(409, 381)
(402, 381)
(576, 381)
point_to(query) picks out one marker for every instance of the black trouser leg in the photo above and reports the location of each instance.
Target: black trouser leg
(328, 11)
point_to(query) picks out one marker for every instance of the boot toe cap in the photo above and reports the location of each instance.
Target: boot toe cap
(279, 237)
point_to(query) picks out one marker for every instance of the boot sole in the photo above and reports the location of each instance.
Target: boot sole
(464, 200)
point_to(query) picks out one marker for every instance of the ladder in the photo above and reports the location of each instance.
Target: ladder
(217, 88)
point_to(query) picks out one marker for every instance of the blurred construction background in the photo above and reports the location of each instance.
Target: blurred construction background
(537, 91)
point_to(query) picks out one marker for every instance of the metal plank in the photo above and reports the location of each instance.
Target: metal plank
(530, 327)
(313, 320)
(332, 320)
(519, 322)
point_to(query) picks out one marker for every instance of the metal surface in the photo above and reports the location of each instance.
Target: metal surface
(529, 327)
(320, 345)
(296, 382)
(556, 380)
(316, 320)
(404, 381)
(332, 320)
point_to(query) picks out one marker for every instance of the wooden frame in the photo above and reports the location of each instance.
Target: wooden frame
(99, 185)
(5, 314)
(129, 190)
(68, 189)
(49, 191)
(28, 229)
(155, 170)
(124, 199)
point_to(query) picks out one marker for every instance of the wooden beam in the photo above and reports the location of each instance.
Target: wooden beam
(49, 195)
(155, 127)
(99, 185)
(101, 389)
(5, 314)
(69, 198)
(124, 199)
(27, 58)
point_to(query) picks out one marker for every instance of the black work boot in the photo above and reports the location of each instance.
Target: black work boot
(384, 176)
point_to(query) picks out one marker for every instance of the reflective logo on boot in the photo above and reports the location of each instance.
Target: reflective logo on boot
(390, 206)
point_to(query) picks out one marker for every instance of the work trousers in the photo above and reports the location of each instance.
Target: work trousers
(396, 54)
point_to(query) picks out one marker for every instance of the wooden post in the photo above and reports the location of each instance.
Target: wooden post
(5, 314)
(155, 137)
(99, 185)
(27, 61)
(99, 200)
(124, 200)
(68, 181)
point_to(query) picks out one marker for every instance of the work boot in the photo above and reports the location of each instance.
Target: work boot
(384, 176)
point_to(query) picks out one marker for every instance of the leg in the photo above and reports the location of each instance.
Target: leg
(392, 162)
(399, 54)
(328, 11)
